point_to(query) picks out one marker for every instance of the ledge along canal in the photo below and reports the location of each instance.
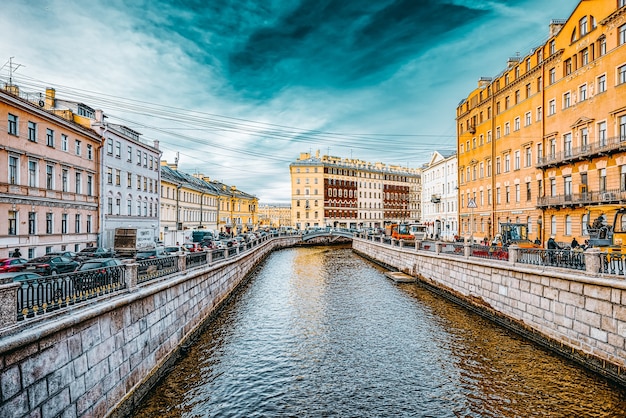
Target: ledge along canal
(319, 331)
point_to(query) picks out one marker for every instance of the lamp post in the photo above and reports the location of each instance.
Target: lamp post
(539, 227)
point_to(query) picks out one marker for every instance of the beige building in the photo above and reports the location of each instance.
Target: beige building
(275, 215)
(50, 180)
(329, 191)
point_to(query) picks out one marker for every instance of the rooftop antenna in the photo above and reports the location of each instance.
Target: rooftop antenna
(177, 157)
(11, 69)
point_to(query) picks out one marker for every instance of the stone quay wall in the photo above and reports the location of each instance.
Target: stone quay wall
(100, 359)
(577, 314)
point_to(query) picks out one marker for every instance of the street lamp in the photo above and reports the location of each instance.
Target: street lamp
(539, 224)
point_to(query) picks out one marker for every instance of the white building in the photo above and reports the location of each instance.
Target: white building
(439, 196)
(130, 180)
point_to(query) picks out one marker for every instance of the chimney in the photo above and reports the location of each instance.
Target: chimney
(50, 99)
(555, 26)
(484, 82)
(156, 143)
(12, 89)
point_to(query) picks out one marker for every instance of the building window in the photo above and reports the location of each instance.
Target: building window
(528, 192)
(129, 154)
(110, 146)
(568, 225)
(64, 180)
(32, 224)
(118, 204)
(516, 124)
(551, 107)
(602, 83)
(138, 157)
(50, 138)
(118, 177)
(584, 57)
(622, 34)
(566, 100)
(516, 162)
(602, 47)
(527, 119)
(507, 194)
(118, 149)
(584, 139)
(64, 142)
(88, 230)
(553, 187)
(14, 163)
(567, 145)
(621, 74)
(517, 193)
(602, 180)
(49, 223)
(507, 128)
(89, 185)
(568, 66)
(582, 93)
(77, 224)
(567, 187)
(64, 223)
(13, 123)
(12, 222)
(507, 163)
(77, 143)
(110, 206)
(498, 169)
(552, 75)
(89, 152)
(109, 175)
(129, 207)
(79, 184)
(582, 26)
(539, 113)
(32, 173)
(32, 131)
(602, 133)
(539, 152)
(49, 177)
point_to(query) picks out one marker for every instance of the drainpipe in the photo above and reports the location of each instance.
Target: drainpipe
(177, 209)
(101, 183)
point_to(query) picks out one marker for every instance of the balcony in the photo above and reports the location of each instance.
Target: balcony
(582, 199)
(585, 152)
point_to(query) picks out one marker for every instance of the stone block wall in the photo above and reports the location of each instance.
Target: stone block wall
(98, 360)
(571, 312)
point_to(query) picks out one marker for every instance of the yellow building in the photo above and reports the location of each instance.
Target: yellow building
(275, 215)
(540, 141)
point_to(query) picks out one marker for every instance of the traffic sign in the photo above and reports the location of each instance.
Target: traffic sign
(471, 203)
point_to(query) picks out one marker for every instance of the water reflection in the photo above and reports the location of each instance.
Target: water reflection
(321, 332)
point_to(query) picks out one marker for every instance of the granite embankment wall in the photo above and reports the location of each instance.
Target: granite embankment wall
(99, 360)
(576, 314)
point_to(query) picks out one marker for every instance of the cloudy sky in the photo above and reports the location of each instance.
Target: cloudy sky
(239, 88)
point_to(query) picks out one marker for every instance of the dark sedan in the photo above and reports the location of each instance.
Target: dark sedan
(51, 265)
(18, 276)
(11, 264)
(96, 252)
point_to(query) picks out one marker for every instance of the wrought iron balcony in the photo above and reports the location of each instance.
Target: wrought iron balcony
(582, 199)
(585, 152)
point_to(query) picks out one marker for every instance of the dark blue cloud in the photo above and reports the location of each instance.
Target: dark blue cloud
(262, 47)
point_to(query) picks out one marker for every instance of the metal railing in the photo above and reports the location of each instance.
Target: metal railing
(455, 248)
(491, 252)
(156, 267)
(195, 259)
(570, 259)
(47, 294)
(613, 263)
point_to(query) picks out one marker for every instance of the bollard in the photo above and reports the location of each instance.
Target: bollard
(467, 248)
(8, 303)
(513, 253)
(593, 261)
(438, 247)
(131, 276)
(182, 262)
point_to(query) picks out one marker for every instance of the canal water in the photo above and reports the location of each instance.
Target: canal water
(320, 332)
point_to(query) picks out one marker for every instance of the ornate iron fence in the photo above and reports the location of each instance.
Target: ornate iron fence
(156, 267)
(47, 294)
(427, 246)
(455, 248)
(491, 252)
(555, 258)
(195, 259)
(613, 263)
(218, 254)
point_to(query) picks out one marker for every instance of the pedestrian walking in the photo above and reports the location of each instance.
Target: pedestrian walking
(17, 253)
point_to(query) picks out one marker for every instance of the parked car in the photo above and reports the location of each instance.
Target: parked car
(192, 247)
(11, 264)
(176, 250)
(18, 276)
(51, 265)
(156, 253)
(99, 264)
(96, 252)
(69, 254)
